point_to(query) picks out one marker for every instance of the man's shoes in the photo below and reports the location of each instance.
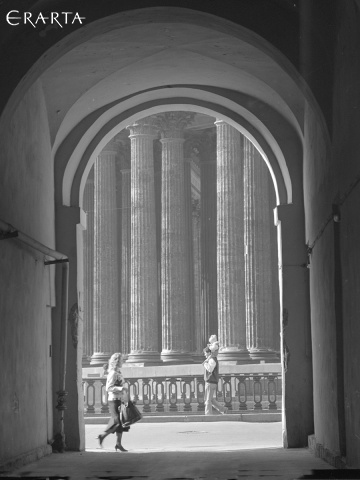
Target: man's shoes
(225, 411)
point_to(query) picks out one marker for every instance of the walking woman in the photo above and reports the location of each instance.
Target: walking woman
(117, 396)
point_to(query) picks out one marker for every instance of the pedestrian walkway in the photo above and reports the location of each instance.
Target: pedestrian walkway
(183, 451)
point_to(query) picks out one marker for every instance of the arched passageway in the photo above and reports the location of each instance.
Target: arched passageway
(146, 61)
(247, 99)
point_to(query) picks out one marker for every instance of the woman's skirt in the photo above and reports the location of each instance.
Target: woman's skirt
(114, 424)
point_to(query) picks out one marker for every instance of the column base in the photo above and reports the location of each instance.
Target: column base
(143, 359)
(85, 361)
(177, 358)
(234, 357)
(264, 356)
(99, 358)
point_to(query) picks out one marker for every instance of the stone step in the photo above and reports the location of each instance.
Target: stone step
(242, 417)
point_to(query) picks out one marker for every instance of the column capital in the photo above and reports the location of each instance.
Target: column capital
(144, 126)
(219, 122)
(172, 124)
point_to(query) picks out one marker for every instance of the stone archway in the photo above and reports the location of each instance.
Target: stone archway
(290, 220)
(270, 100)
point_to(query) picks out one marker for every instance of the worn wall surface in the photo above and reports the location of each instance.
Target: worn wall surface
(346, 143)
(331, 191)
(26, 202)
(318, 195)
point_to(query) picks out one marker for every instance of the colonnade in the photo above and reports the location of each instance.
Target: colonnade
(180, 244)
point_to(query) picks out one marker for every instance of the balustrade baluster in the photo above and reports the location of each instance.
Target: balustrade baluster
(104, 397)
(186, 394)
(257, 393)
(172, 386)
(134, 389)
(84, 386)
(193, 390)
(159, 394)
(200, 390)
(227, 391)
(271, 387)
(90, 394)
(153, 389)
(146, 389)
(242, 392)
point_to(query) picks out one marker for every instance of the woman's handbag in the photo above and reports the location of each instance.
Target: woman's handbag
(129, 414)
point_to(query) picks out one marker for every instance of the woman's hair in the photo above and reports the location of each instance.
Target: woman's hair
(114, 360)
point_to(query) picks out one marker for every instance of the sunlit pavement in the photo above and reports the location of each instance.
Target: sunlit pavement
(179, 451)
(188, 437)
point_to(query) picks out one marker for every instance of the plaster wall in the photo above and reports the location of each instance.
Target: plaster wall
(26, 285)
(346, 143)
(323, 330)
(350, 241)
(319, 193)
(331, 177)
(318, 175)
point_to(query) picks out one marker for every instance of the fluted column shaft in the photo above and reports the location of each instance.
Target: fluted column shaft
(125, 259)
(258, 258)
(106, 320)
(144, 296)
(176, 337)
(230, 244)
(208, 222)
(88, 268)
(200, 341)
(189, 231)
(157, 181)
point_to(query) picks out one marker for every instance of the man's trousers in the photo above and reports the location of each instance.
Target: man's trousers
(210, 401)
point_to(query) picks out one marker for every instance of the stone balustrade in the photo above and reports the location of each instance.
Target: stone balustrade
(157, 392)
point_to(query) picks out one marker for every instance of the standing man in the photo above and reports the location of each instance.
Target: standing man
(211, 377)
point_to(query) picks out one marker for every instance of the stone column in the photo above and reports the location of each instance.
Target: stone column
(157, 181)
(208, 219)
(200, 341)
(258, 222)
(125, 259)
(106, 291)
(176, 337)
(144, 295)
(189, 247)
(88, 269)
(230, 245)
(124, 235)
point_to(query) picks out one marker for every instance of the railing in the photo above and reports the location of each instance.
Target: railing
(185, 394)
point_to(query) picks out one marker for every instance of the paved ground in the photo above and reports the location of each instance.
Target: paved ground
(183, 451)
(190, 437)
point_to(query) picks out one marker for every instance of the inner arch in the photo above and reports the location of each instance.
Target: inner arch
(112, 122)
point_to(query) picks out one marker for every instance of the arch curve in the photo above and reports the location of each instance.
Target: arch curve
(109, 122)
